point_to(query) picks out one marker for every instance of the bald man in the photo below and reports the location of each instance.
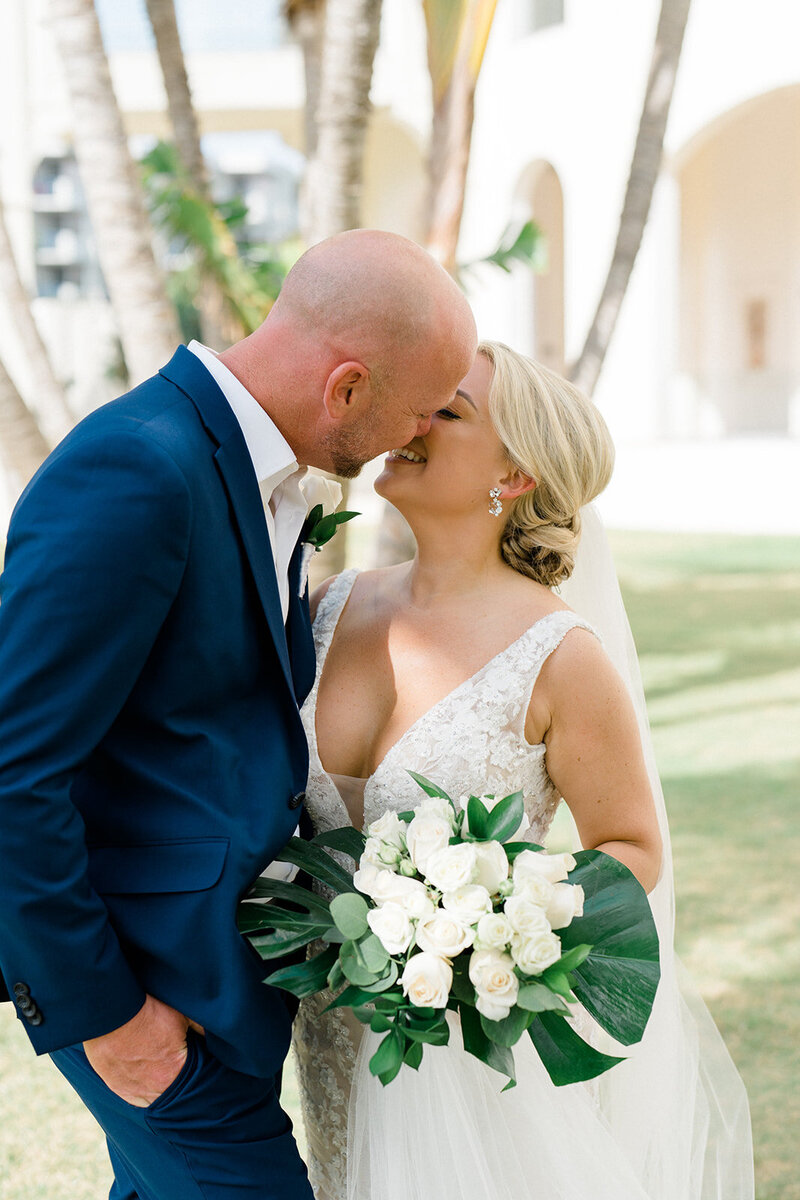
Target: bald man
(154, 651)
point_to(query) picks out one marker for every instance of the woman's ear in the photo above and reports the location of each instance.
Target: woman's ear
(346, 385)
(516, 484)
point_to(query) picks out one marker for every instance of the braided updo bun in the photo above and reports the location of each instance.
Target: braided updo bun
(553, 433)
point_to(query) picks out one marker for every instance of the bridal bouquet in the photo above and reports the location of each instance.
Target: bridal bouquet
(448, 911)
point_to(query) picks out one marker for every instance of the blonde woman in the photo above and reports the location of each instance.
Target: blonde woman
(466, 666)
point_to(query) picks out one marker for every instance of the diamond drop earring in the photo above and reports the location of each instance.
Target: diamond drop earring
(495, 507)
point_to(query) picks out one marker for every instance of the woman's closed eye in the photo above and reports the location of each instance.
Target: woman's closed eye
(448, 414)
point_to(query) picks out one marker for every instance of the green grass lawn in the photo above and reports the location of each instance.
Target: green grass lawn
(717, 622)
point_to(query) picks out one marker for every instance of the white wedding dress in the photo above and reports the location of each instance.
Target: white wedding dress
(448, 1132)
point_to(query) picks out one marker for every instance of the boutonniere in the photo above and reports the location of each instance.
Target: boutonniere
(323, 496)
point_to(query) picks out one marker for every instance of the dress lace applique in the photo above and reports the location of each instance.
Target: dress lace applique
(472, 739)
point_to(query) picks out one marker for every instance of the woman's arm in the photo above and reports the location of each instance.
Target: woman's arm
(594, 754)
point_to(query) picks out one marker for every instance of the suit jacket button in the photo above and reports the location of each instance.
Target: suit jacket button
(36, 1019)
(25, 1004)
(21, 989)
(297, 800)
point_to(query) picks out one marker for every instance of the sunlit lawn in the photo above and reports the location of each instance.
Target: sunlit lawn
(718, 627)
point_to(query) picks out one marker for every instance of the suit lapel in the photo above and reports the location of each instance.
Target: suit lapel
(301, 642)
(236, 468)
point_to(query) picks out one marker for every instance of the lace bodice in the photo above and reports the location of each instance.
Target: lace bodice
(471, 741)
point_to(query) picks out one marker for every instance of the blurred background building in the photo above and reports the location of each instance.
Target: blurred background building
(701, 386)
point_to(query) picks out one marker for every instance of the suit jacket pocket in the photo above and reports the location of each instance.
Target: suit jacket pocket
(147, 868)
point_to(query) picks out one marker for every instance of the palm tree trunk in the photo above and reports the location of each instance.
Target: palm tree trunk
(51, 403)
(352, 29)
(307, 22)
(147, 325)
(455, 57)
(22, 445)
(218, 324)
(645, 166)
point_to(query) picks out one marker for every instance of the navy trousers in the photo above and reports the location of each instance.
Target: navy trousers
(214, 1134)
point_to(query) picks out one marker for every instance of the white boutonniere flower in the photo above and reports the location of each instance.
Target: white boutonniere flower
(323, 497)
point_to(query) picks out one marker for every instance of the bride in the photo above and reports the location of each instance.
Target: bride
(466, 666)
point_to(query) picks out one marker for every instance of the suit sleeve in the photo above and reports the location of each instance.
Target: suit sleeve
(95, 555)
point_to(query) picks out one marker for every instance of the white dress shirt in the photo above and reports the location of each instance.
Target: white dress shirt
(278, 474)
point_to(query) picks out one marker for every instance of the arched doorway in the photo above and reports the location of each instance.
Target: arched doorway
(539, 197)
(739, 181)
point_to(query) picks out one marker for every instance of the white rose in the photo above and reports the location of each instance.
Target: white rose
(427, 980)
(444, 934)
(425, 835)
(534, 888)
(496, 985)
(468, 903)
(389, 828)
(554, 867)
(494, 932)
(535, 954)
(392, 925)
(566, 903)
(318, 490)
(490, 802)
(410, 894)
(435, 806)
(525, 918)
(452, 867)
(365, 877)
(492, 865)
(381, 853)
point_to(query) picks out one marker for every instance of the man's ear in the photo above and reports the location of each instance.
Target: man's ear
(345, 388)
(515, 484)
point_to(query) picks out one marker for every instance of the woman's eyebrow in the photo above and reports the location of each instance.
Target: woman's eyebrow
(467, 397)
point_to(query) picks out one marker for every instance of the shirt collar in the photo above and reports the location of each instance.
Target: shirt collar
(272, 456)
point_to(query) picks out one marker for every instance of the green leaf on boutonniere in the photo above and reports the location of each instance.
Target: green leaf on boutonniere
(319, 529)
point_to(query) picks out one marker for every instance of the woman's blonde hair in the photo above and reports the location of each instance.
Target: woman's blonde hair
(553, 433)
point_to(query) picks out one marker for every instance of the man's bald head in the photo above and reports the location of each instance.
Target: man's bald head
(368, 338)
(376, 296)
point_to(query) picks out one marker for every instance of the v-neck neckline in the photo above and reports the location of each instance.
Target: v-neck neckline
(343, 602)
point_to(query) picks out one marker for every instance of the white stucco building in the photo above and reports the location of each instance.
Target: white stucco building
(702, 384)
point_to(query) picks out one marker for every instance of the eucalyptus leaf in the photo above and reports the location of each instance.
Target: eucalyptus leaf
(386, 981)
(537, 997)
(349, 911)
(374, 952)
(355, 967)
(565, 1055)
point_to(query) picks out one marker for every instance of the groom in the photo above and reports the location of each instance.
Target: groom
(154, 650)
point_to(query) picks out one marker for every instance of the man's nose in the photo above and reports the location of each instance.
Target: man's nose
(424, 426)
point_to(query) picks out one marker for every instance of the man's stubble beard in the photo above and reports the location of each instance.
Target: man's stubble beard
(350, 450)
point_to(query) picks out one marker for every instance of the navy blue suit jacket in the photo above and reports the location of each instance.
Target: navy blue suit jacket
(150, 740)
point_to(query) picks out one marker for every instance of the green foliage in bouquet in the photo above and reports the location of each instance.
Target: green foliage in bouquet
(606, 953)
